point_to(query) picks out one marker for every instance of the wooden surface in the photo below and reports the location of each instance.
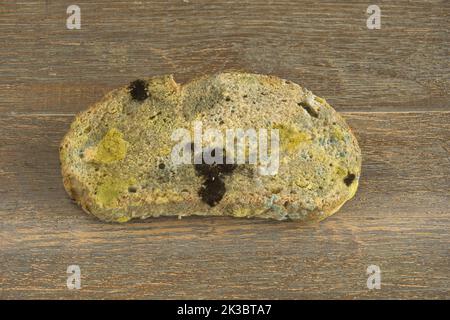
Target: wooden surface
(392, 86)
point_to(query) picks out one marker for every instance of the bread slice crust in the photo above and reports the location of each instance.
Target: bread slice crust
(116, 157)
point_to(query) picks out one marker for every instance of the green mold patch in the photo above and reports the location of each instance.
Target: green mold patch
(291, 137)
(111, 148)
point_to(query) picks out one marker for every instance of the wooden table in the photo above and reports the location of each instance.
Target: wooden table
(392, 85)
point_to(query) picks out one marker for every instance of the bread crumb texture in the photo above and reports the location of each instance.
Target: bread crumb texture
(116, 158)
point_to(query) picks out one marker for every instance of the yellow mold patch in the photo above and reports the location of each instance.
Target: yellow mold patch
(291, 137)
(158, 196)
(304, 183)
(111, 148)
(337, 133)
(340, 171)
(241, 212)
(320, 100)
(109, 191)
(123, 219)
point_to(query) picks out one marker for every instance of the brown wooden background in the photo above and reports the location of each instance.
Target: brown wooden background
(392, 85)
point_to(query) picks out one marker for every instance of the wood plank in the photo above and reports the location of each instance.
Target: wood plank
(322, 45)
(399, 220)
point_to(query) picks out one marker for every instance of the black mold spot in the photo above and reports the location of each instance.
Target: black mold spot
(214, 170)
(138, 90)
(212, 191)
(311, 111)
(349, 179)
(161, 166)
(213, 187)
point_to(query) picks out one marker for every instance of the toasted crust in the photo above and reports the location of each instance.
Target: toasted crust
(116, 157)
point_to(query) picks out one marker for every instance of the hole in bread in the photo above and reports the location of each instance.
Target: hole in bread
(161, 165)
(132, 189)
(227, 99)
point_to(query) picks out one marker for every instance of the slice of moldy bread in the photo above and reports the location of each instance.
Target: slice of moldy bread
(117, 158)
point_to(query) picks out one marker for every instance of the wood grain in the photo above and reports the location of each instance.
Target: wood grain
(322, 45)
(399, 220)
